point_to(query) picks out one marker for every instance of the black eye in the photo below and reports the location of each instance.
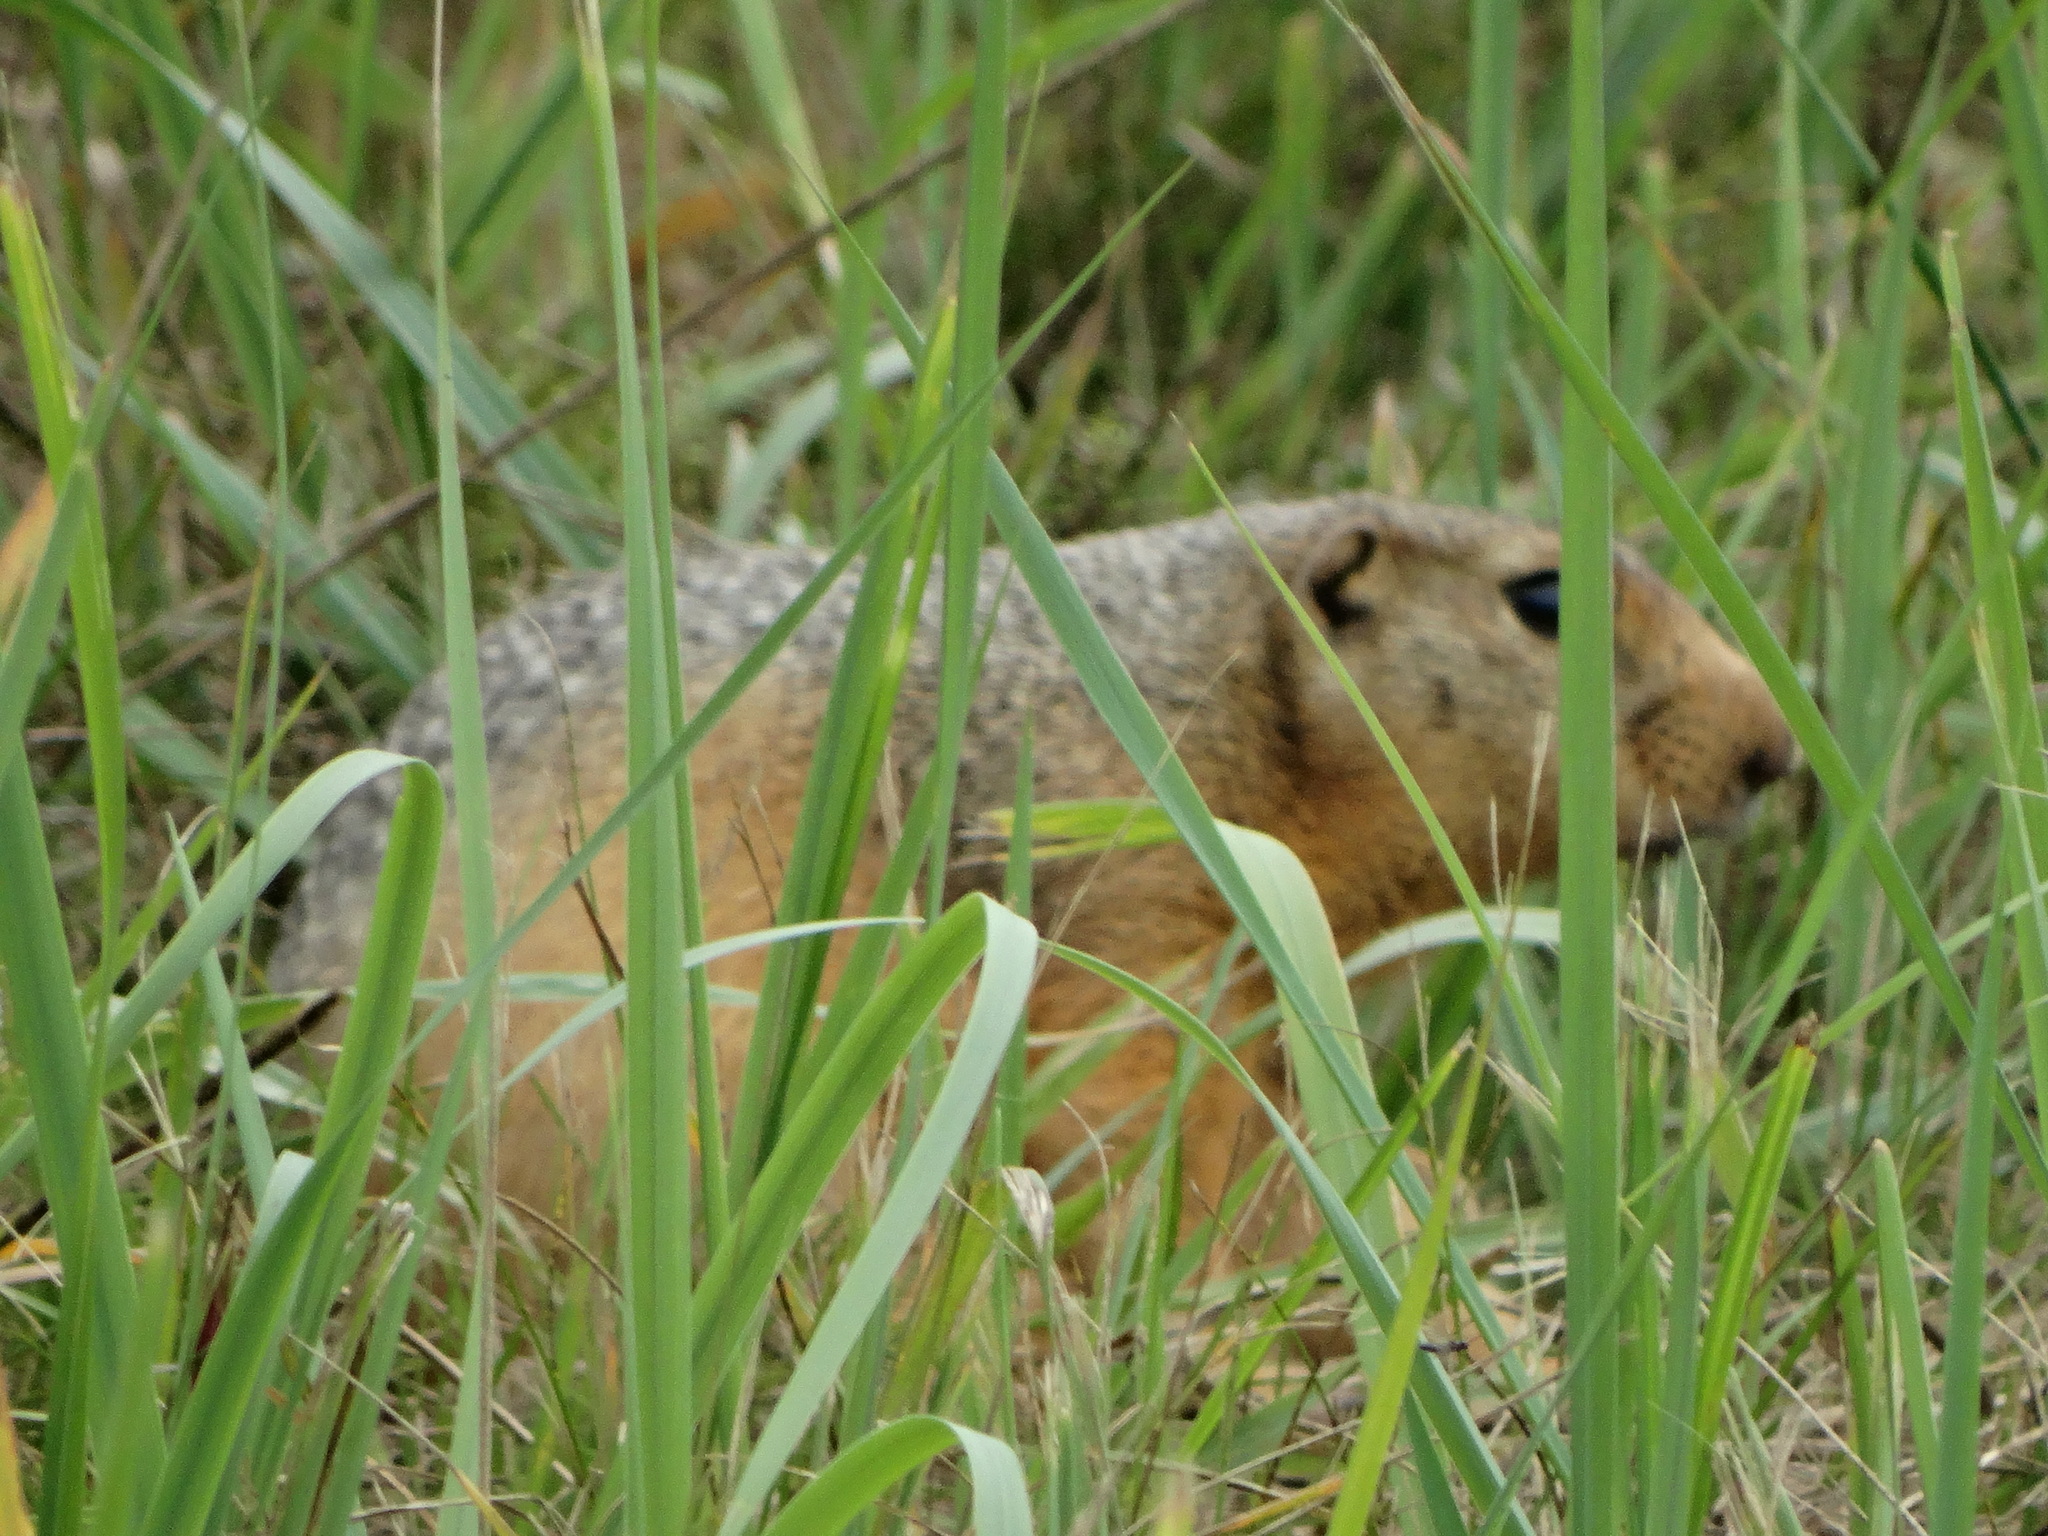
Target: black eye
(1534, 599)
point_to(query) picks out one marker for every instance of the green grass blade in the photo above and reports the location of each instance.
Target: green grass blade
(1669, 1444)
(469, 1451)
(1900, 1301)
(521, 158)
(1300, 125)
(380, 1007)
(1287, 897)
(703, 1066)
(124, 1482)
(1496, 43)
(1390, 1380)
(99, 681)
(282, 354)
(845, 1088)
(660, 1337)
(863, 1474)
(1589, 1115)
(760, 39)
(242, 1354)
(46, 1039)
(1009, 951)
(1873, 1493)
(974, 365)
(1868, 548)
(2006, 672)
(1732, 1291)
(1788, 225)
(2002, 660)
(67, 1426)
(372, 1044)
(465, 685)
(1952, 1478)
(2026, 148)
(1646, 289)
(46, 351)
(254, 1135)
(355, 96)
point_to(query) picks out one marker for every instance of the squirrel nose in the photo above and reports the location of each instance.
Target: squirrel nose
(1767, 764)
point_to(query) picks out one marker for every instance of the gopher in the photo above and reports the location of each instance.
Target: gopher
(1446, 617)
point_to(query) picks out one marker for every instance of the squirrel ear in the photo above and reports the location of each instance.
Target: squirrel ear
(1332, 578)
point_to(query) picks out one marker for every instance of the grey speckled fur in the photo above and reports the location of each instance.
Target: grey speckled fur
(1180, 602)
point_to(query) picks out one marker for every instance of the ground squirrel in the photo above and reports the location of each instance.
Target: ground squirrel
(1446, 617)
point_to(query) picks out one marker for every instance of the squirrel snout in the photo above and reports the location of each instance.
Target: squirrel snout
(1764, 766)
(1711, 745)
(1764, 752)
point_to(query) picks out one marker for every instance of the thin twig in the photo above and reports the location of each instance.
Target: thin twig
(272, 1045)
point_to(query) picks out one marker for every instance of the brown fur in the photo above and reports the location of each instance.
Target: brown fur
(1411, 597)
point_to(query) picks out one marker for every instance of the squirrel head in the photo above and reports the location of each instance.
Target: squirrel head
(1448, 621)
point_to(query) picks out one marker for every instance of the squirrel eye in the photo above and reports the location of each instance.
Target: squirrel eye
(1534, 599)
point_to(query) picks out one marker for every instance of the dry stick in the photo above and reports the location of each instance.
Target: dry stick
(403, 507)
(272, 1045)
